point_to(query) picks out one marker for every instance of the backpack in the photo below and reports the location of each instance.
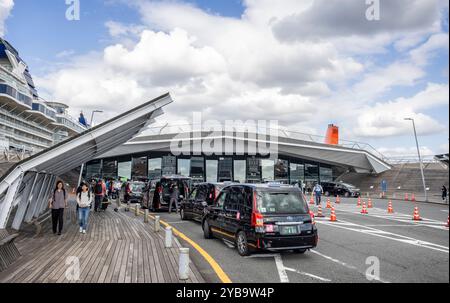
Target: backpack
(98, 189)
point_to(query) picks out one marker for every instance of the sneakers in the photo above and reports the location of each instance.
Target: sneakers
(81, 229)
(84, 231)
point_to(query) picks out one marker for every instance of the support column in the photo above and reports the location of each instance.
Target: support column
(5, 207)
(34, 197)
(23, 205)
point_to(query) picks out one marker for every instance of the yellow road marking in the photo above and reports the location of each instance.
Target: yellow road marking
(215, 266)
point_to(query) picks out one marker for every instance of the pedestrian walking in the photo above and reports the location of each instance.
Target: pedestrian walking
(174, 194)
(57, 203)
(99, 192)
(84, 201)
(318, 191)
(444, 193)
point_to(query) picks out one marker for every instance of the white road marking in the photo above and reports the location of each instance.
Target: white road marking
(387, 235)
(307, 274)
(281, 269)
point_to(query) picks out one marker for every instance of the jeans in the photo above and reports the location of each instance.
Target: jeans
(98, 201)
(318, 198)
(83, 217)
(172, 200)
(57, 220)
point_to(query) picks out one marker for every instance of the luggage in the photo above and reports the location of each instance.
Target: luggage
(105, 204)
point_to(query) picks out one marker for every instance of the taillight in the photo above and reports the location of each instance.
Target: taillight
(257, 220)
(313, 218)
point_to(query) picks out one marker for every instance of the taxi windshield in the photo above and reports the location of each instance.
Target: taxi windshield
(281, 203)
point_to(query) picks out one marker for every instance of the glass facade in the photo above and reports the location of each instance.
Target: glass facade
(139, 168)
(184, 167)
(154, 168)
(223, 169)
(211, 170)
(240, 171)
(124, 170)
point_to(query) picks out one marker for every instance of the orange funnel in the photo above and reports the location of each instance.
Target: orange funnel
(332, 135)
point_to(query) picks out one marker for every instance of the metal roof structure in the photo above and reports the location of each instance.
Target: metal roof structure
(358, 159)
(26, 186)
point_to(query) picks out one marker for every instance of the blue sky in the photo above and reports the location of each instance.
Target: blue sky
(214, 53)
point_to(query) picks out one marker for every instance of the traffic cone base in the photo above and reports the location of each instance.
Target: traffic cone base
(416, 216)
(333, 215)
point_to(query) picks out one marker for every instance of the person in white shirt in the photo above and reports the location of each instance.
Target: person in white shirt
(318, 191)
(84, 201)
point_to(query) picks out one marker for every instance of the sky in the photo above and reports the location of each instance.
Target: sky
(304, 63)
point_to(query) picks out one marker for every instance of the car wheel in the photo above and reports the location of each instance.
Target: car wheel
(182, 214)
(300, 251)
(207, 230)
(347, 195)
(327, 194)
(242, 244)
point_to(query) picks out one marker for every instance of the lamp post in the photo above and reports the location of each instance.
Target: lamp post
(92, 116)
(420, 158)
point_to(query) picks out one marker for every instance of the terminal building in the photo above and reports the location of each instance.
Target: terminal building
(28, 124)
(299, 158)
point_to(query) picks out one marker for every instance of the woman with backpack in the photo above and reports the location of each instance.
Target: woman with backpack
(58, 202)
(84, 201)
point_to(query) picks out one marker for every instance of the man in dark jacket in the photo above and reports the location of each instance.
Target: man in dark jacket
(174, 194)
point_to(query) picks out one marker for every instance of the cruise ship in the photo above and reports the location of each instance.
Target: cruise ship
(28, 124)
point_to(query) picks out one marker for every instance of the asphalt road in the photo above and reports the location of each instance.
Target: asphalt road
(406, 251)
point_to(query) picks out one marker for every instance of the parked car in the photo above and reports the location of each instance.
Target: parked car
(261, 217)
(156, 194)
(137, 189)
(202, 195)
(340, 189)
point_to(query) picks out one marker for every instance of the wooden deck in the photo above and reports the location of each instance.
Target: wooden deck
(118, 248)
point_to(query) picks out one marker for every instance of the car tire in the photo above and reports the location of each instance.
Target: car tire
(242, 244)
(207, 234)
(347, 195)
(300, 251)
(327, 194)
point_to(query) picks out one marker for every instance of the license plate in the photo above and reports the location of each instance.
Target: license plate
(289, 230)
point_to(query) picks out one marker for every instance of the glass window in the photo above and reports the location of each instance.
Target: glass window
(197, 169)
(311, 176)
(109, 169)
(124, 170)
(281, 203)
(225, 169)
(169, 165)
(211, 170)
(253, 170)
(221, 200)
(326, 174)
(297, 173)
(282, 171)
(94, 170)
(267, 168)
(184, 167)
(154, 168)
(239, 171)
(139, 168)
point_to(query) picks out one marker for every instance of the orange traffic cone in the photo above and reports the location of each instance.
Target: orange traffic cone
(406, 197)
(333, 215)
(338, 199)
(447, 222)
(328, 203)
(364, 209)
(413, 197)
(416, 216)
(359, 201)
(311, 201)
(390, 208)
(319, 212)
(369, 204)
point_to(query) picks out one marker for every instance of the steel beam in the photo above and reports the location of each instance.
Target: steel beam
(6, 206)
(23, 204)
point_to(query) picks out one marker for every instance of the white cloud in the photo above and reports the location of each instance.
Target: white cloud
(5, 9)
(236, 68)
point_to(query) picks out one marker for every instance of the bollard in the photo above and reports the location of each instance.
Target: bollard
(128, 206)
(183, 270)
(146, 216)
(157, 224)
(136, 210)
(168, 239)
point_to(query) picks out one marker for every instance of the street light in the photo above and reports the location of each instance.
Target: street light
(420, 158)
(92, 116)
